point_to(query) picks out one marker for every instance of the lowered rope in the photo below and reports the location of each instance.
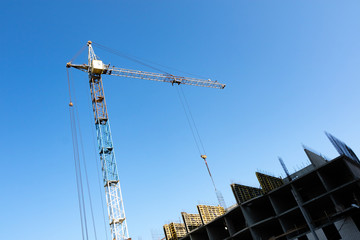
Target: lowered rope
(142, 61)
(76, 160)
(188, 120)
(86, 174)
(197, 140)
(78, 53)
(77, 137)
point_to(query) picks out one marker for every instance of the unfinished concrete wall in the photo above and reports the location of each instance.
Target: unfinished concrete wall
(329, 194)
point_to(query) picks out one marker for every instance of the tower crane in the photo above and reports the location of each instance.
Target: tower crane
(95, 68)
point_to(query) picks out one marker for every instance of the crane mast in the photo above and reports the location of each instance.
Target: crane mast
(95, 68)
(114, 201)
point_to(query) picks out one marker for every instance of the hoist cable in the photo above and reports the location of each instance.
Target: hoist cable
(78, 53)
(86, 174)
(80, 139)
(76, 173)
(188, 120)
(197, 137)
(79, 183)
(81, 188)
(76, 156)
(143, 61)
(68, 80)
(116, 52)
(192, 119)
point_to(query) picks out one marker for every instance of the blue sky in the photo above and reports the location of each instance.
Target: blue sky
(291, 69)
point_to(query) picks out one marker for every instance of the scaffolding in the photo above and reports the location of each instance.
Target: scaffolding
(174, 231)
(177, 230)
(243, 193)
(191, 221)
(268, 183)
(167, 231)
(209, 213)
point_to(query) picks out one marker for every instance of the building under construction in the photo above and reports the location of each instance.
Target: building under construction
(191, 221)
(174, 231)
(320, 201)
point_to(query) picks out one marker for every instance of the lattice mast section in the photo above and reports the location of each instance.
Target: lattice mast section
(114, 201)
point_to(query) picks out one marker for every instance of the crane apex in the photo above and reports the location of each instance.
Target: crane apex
(203, 157)
(89, 43)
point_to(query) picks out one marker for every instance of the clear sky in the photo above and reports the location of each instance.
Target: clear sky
(291, 69)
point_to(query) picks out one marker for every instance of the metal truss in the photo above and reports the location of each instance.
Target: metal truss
(160, 77)
(122, 72)
(114, 201)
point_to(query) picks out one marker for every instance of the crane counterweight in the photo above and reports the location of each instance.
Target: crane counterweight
(97, 67)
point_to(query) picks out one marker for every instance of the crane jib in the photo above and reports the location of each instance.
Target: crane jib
(128, 73)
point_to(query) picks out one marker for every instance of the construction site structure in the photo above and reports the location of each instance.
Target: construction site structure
(209, 213)
(267, 182)
(191, 221)
(320, 201)
(174, 231)
(95, 68)
(167, 232)
(243, 193)
(177, 230)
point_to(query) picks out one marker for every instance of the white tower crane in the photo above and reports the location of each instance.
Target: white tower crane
(95, 68)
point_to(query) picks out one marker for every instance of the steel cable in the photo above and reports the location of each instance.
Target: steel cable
(188, 120)
(77, 162)
(86, 174)
(76, 173)
(78, 53)
(142, 61)
(197, 139)
(192, 119)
